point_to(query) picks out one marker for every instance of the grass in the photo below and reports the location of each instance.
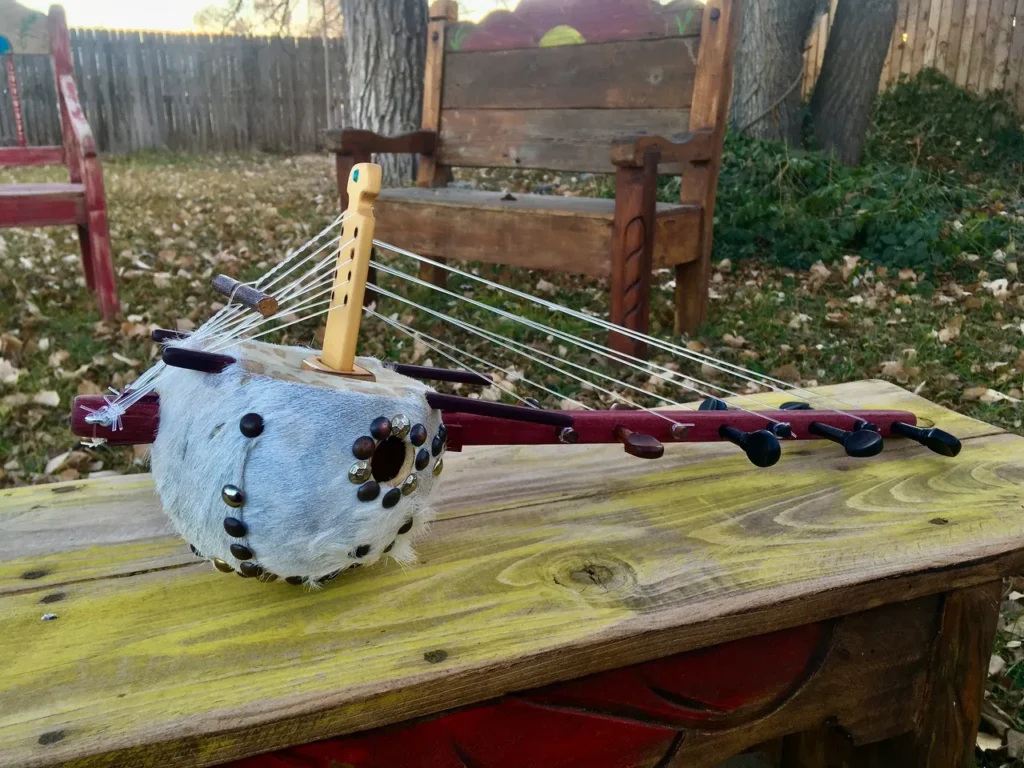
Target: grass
(904, 269)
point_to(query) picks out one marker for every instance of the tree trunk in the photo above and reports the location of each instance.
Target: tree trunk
(769, 67)
(385, 47)
(848, 83)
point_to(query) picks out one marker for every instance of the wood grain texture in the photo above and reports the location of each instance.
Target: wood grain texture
(555, 139)
(352, 141)
(15, 156)
(41, 205)
(653, 74)
(951, 709)
(690, 148)
(634, 231)
(693, 709)
(173, 663)
(442, 14)
(699, 186)
(570, 234)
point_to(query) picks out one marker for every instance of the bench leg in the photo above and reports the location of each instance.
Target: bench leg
(692, 280)
(86, 246)
(951, 708)
(632, 254)
(103, 267)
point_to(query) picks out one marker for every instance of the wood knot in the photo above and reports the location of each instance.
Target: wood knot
(593, 575)
(598, 575)
(435, 657)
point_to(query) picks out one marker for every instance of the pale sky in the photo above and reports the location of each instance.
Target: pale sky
(177, 15)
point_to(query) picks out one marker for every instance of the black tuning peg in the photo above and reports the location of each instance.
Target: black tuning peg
(779, 429)
(712, 404)
(933, 439)
(761, 447)
(795, 405)
(860, 443)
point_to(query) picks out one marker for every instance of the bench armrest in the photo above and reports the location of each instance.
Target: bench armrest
(697, 147)
(80, 130)
(352, 141)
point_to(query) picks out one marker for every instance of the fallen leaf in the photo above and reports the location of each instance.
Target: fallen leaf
(8, 373)
(49, 398)
(986, 742)
(1014, 744)
(849, 266)
(184, 324)
(87, 387)
(951, 330)
(122, 359)
(1000, 288)
(974, 393)
(819, 272)
(695, 346)
(57, 359)
(787, 372)
(996, 664)
(734, 341)
(543, 286)
(56, 463)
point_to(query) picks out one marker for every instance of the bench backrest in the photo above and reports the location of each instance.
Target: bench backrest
(552, 84)
(38, 44)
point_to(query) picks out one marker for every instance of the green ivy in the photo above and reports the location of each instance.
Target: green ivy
(927, 195)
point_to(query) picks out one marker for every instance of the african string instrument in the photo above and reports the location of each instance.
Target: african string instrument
(284, 462)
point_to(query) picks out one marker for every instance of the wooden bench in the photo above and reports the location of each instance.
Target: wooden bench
(644, 90)
(80, 202)
(572, 607)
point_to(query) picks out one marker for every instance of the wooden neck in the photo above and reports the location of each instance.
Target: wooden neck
(346, 309)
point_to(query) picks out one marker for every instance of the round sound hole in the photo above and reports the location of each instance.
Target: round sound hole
(388, 460)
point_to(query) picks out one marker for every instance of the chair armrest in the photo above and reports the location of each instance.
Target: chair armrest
(697, 147)
(76, 117)
(352, 141)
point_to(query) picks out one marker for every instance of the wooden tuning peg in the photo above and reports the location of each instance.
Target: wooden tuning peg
(761, 447)
(639, 445)
(859, 443)
(934, 439)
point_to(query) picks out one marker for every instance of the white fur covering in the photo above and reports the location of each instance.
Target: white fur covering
(300, 510)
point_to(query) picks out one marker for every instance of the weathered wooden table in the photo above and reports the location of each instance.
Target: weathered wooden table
(675, 612)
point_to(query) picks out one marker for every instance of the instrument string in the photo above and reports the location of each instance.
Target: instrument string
(506, 343)
(735, 370)
(420, 336)
(570, 338)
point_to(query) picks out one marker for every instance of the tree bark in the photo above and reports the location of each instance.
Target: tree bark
(385, 47)
(848, 83)
(769, 67)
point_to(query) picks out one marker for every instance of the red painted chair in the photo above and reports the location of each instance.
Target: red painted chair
(81, 201)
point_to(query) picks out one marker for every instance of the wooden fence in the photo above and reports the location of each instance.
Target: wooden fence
(194, 93)
(979, 44)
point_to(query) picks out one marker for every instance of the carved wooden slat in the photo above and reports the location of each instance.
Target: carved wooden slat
(569, 234)
(41, 205)
(542, 23)
(655, 74)
(576, 140)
